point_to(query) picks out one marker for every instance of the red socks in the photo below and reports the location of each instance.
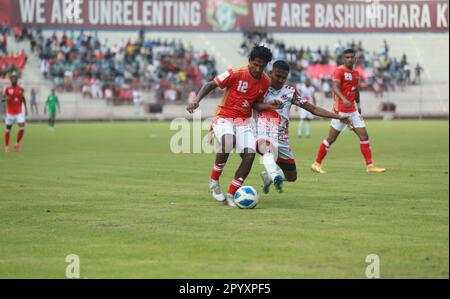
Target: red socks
(7, 133)
(236, 183)
(366, 150)
(216, 171)
(323, 150)
(20, 135)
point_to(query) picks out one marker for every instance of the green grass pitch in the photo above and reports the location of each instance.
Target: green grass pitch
(115, 195)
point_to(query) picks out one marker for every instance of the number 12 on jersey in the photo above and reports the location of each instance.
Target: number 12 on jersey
(242, 86)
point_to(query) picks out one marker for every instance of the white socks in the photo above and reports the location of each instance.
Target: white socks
(270, 165)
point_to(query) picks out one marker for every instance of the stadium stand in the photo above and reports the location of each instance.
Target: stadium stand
(9, 61)
(380, 72)
(428, 99)
(12, 62)
(86, 63)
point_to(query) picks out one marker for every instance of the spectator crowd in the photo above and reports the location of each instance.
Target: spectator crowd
(85, 63)
(380, 71)
(9, 61)
(174, 72)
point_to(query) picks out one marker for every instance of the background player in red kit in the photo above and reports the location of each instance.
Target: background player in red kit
(14, 96)
(346, 95)
(232, 125)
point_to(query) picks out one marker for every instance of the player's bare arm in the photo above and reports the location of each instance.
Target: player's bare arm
(5, 97)
(8, 99)
(318, 111)
(204, 91)
(25, 105)
(358, 105)
(260, 106)
(337, 91)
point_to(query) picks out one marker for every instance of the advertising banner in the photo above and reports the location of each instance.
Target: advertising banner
(231, 15)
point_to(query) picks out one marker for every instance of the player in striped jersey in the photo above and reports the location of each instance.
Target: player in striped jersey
(273, 128)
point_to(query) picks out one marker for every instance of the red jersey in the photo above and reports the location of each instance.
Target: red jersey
(14, 96)
(349, 84)
(242, 90)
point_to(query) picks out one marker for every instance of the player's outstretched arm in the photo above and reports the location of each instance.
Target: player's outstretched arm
(260, 106)
(204, 91)
(324, 113)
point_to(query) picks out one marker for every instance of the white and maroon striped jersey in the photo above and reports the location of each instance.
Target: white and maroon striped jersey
(275, 123)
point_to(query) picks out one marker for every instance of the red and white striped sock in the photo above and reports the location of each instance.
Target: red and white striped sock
(366, 150)
(217, 171)
(323, 150)
(236, 183)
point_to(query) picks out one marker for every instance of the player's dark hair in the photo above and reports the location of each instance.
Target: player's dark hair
(281, 65)
(349, 51)
(262, 53)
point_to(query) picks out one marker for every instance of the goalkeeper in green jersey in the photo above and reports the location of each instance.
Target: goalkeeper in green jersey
(50, 107)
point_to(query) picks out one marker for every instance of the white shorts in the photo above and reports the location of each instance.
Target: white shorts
(356, 119)
(305, 114)
(281, 148)
(14, 118)
(245, 137)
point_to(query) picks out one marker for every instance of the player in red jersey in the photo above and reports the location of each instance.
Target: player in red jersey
(15, 97)
(346, 95)
(244, 86)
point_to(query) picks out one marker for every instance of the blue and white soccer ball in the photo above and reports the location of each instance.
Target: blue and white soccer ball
(246, 197)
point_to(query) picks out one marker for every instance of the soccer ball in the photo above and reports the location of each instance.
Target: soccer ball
(246, 197)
